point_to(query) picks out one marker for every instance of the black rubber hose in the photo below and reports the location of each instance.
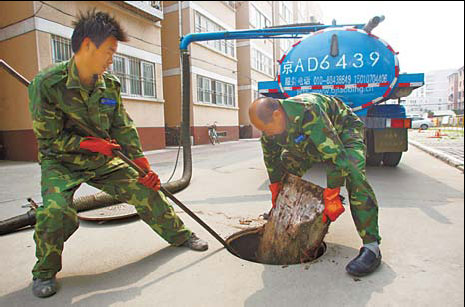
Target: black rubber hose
(17, 222)
(83, 203)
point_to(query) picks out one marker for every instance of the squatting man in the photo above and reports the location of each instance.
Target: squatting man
(80, 89)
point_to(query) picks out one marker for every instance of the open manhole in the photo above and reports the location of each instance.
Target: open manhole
(245, 244)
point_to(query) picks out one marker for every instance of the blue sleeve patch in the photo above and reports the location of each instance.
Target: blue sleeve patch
(299, 139)
(108, 101)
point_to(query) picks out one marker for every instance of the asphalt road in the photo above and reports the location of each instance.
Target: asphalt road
(124, 263)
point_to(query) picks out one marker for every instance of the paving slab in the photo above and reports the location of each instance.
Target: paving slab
(124, 263)
(449, 147)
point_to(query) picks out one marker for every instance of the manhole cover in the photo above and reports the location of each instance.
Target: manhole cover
(114, 212)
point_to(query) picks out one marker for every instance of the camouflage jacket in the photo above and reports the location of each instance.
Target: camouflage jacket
(56, 95)
(318, 129)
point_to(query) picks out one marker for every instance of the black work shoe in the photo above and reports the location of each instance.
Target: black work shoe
(195, 243)
(44, 287)
(365, 263)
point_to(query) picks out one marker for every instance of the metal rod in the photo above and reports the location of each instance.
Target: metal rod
(14, 73)
(141, 172)
(123, 157)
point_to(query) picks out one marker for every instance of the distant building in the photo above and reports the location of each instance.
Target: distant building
(455, 94)
(460, 103)
(452, 96)
(433, 96)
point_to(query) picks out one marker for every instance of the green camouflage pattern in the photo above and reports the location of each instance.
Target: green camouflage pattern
(324, 129)
(57, 219)
(57, 95)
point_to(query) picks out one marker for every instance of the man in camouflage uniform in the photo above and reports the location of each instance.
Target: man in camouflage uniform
(81, 90)
(311, 128)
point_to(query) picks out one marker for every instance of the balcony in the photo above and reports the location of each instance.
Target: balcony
(152, 10)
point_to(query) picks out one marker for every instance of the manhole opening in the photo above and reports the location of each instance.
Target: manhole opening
(245, 243)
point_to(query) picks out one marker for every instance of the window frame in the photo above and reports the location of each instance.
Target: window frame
(203, 24)
(261, 62)
(219, 93)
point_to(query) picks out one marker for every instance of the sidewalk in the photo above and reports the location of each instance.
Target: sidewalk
(448, 148)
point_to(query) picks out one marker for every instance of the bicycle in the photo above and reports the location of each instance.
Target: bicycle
(213, 135)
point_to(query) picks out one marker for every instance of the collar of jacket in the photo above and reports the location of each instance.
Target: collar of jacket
(73, 80)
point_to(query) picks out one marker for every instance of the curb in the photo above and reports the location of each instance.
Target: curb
(440, 155)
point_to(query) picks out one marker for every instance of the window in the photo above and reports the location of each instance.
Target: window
(137, 76)
(61, 49)
(119, 69)
(231, 4)
(204, 24)
(215, 92)
(285, 12)
(156, 4)
(258, 19)
(204, 93)
(261, 62)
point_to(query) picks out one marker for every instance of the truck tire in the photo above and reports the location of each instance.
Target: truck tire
(424, 127)
(375, 159)
(392, 159)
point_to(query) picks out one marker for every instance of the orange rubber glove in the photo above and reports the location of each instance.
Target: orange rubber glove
(143, 163)
(150, 180)
(333, 204)
(275, 188)
(99, 145)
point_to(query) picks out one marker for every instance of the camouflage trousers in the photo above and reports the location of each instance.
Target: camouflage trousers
(363, 203)
(57, 219)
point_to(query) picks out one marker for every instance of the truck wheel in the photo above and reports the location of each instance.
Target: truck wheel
(392, 159)
(424, 127)
(374, 159)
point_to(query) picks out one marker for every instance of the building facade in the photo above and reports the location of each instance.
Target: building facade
(456, 91)
(460, 95)
(213, 69)
(433, 96)
(224, 74)
(36, 34)
(453, 90)
(255, 58)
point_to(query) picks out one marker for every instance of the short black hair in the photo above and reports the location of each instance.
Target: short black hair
(97, 26)
(266, 107)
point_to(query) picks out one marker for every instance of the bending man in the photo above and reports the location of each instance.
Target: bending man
(309, 128)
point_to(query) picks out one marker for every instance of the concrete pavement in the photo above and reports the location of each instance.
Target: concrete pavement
(125, 263)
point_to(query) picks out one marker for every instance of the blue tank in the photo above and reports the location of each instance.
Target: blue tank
(354, 65)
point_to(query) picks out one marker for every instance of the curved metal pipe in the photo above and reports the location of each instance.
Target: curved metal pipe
(182, 183)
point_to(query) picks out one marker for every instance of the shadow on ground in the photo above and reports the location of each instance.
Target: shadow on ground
(104, 289)
(326, 281)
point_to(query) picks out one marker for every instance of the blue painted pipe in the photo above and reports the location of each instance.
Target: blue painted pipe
(255, 34)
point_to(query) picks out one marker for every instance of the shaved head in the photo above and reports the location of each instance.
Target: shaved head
(267, 115)
(264, 107)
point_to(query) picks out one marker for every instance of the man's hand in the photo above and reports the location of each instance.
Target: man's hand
(99, 145)
(275, 188)
(333, 204)
(151, 180)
